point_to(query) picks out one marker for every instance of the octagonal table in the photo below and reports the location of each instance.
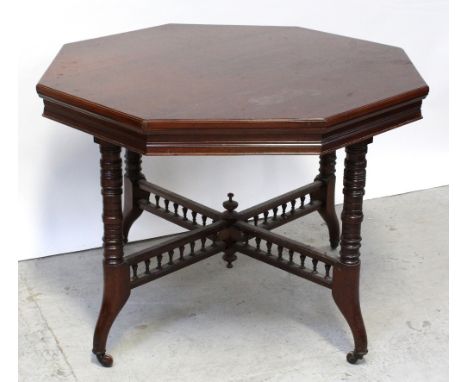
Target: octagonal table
(231, 90)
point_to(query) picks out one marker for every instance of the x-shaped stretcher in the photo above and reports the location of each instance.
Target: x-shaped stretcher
(246, 232)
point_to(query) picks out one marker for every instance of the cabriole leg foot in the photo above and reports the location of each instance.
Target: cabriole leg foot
(116, 293)
(345, 291)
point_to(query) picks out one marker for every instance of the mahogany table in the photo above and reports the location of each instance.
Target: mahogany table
(231, 90)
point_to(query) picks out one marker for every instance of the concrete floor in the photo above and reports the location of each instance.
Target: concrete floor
(252, 322)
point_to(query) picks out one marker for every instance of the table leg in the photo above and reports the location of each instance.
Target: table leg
(345, 287)
(116, 272)
(132, 193)
(327, 211)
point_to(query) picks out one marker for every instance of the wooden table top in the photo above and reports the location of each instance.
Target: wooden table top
(211, 89)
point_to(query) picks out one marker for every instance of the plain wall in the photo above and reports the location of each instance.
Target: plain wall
(60, 201)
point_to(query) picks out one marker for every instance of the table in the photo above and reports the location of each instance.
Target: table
(231, 90)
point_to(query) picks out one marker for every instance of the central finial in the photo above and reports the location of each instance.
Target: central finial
(230, 204)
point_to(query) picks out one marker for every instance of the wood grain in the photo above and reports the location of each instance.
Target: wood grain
(212, 89)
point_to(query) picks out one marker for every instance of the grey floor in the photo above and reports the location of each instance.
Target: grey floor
(252, 322)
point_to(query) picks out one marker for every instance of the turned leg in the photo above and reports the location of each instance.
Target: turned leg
(327, 210)
(116, 272)
(132, 192)
(345, 288)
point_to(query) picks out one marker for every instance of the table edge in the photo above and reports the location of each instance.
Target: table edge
(152, 124)
(213, 139)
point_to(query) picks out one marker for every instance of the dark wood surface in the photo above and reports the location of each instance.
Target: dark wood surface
(115, 271)
(345, 289)
(354, 182)
(207, 89)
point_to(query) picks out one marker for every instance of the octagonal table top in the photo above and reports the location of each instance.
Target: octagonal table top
(214, 89)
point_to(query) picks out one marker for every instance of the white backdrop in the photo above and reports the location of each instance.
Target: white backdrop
(60, 202)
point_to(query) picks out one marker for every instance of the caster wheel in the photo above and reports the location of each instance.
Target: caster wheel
(105, 359)
(352, 357)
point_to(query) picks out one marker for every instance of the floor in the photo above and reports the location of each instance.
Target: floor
(254, 322)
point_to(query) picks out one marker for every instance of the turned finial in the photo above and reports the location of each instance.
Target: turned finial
(230, 204)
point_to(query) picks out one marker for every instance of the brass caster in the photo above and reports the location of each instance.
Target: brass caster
(104, 359)
(353, 356)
